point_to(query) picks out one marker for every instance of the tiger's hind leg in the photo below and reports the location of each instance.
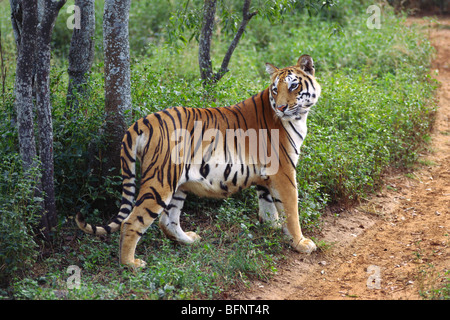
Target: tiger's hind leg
(170, 221)
(147, 209)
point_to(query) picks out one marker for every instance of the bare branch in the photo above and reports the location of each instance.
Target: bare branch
(246, 17)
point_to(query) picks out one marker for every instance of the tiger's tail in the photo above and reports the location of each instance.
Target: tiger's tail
(128, 166)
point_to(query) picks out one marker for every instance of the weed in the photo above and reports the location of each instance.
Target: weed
(19, 211)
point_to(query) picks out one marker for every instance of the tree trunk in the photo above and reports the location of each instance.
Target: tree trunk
(204, 56)
(81, 53)
(25, 20)
(204, 48)
(16, 20)
(33, 23)
(48, 13)
(117, 78)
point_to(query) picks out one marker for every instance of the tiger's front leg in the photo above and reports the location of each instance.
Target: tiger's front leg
(169, 221)
(283, 189)
(267, 211)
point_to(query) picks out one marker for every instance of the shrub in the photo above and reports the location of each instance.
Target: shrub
(19, 217)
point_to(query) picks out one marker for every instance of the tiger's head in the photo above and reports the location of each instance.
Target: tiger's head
(294, 90)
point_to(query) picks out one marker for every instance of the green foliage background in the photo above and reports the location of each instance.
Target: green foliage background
(376, 111)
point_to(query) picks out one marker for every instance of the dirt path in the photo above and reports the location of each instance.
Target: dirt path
(394, 245)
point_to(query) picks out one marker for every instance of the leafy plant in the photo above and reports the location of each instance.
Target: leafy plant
(19, 218)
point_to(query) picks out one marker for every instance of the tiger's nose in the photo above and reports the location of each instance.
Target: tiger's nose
(282, 107)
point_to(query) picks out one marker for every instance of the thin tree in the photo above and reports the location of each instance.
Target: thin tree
(117, 78)
(81, 52)
(204, 56)
(49, 10)
(201, 23)
(33, 23)
(24, 17)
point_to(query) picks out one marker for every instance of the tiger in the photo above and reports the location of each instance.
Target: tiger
(215, 152)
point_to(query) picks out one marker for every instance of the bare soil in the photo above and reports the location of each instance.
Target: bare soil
(393, 246)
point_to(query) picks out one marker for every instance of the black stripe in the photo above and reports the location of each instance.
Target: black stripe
(227, 171)
(136, 128)
(234, 181)
(127, 192)
(175, 177)
(291, 141)
(186, 171)
(246, 178)
(220, 112)
(287, 156)
(269, 135)
(312, 85)
(158, 198)
(255, 106)
(147, 145)
(223, 186)
(295, 130)
(204, 169)
(144, 197)
(152, 214)
(125, 210)
(179, 116)
(265, 194)
(289, 178)
(126, 171)
(171, 117)
(125, 201)
(243, 118)
(170, 206)
(117, 221)
(129, 139)
(237, 117)
(127, 153)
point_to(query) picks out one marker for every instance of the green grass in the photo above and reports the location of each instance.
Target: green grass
(376, 111)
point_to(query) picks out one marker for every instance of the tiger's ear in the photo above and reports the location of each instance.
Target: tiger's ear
(306, 63)
(271, 69)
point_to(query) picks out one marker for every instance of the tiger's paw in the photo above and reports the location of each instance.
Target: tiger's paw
(136, 264)
(193, 236)
(305, 246)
